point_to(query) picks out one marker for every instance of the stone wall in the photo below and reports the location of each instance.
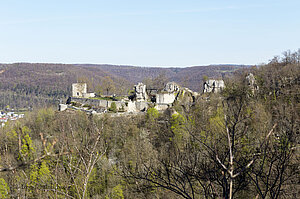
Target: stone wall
(131, 107)
(165, 98)
(141, 106)
(161, 107)
(160, 99)
(62, 107)
(99, 103)
(87, 95)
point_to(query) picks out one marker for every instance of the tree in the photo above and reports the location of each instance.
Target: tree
(4, 189)
(59, 162)
(160, 81)
(225, 140)
(98, 90)
(152, 114)
(108, 84)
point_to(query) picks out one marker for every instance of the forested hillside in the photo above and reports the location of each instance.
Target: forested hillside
(191, 76)
(31, 85)
(25, 84)
(241, 143)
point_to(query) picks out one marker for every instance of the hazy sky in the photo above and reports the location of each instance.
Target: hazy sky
(148, 32)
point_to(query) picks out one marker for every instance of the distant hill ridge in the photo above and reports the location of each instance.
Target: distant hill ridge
(20, 82)
(191, 75)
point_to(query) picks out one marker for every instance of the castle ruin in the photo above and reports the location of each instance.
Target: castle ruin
(80, 90)
(140, 100)
(213, 86)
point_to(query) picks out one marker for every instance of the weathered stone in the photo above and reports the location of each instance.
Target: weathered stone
(168, 94)
(62, 107)
(161, 99)
(251, 81)
(99, 103)
(141, 106)
(131, 107)
(79, 89)
(161, 107)
(140, 92)
(171, 87)
(165, 98)
(213, 86)
(88, 95)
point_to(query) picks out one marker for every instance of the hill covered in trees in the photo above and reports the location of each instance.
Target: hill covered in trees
(190, 76)
(240, 143)
(29, 85)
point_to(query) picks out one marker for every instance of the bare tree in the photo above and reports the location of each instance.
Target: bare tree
(108, 84)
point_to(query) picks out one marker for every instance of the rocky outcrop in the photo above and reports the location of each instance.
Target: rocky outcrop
(138, 102)
(213, 86)
(168, 94)
(251, 81)
(140, 92)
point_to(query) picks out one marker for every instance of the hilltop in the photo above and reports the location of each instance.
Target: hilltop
(38, 84)
(241, 142)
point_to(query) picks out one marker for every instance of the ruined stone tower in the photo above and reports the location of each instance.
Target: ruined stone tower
(79, 89)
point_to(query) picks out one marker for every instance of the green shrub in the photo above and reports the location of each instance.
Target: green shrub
(113, 107)
(87, 106)
(152, 114)
(4, 189)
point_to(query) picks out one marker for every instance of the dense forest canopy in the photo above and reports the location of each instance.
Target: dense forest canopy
(241, 143)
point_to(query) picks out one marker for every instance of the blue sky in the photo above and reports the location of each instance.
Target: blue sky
(148, 33)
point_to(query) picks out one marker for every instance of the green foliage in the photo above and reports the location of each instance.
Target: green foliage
(177, 121)
(33, 176)
(106, 98)
(152, 114)
(27, 148)
(39, 176)
(45, 115)
(178, 127)
(217, 121)
(44, 172)
(117, 193)
(12, 134)
(87, 106)
(145, 156)
(131, 92)
(246, 147)
(4, 189)
(113, 107)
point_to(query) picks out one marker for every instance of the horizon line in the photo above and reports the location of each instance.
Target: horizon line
(133, 65)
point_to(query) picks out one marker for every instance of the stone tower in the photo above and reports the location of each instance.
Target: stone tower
(79, 89)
